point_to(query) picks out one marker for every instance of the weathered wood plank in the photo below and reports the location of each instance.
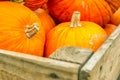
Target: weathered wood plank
(105, 63)
(7, 76)
(72, 54)
(29, 67)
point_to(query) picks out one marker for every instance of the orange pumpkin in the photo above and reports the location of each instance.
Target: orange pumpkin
(109, 28)
(115, 19)
(97, 11)
(114, 4)
(45, 19)
(35, 4)
(83, 34)
(20, 29)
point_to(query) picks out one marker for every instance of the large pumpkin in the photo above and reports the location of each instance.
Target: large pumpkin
(45, 19)
(20, 29)
(83, 34)
(35, 4)
(97, 11)
(114, 4)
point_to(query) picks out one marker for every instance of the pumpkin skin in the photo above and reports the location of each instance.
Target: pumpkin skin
(45, 19)
(115, 19)
(35, 4)
(82, 34)
(63, 9)
(109, 28)
(14, 21)
(114, 4)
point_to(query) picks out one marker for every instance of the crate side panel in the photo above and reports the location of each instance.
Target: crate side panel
(105, 63)
(29, 68)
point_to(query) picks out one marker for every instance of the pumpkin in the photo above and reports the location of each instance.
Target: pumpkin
(35, 4)
(115, 19)
(97, 11)
(20, 29)
(114, 4)
(46, 19)
(109, 28)
(78, 33)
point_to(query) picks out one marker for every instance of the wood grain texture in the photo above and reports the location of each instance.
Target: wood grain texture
(29, 67)
(7, 76)
(105, 63)
(72, 54)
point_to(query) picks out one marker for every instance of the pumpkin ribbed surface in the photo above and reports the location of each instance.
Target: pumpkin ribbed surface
(35, 4)
(15, 22)
(114, 4)
(46, 20)
(97, 11)
(84, 34)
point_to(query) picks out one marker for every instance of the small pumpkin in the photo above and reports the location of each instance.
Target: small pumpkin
(115, 19)
(114, 4)
(45, 19)
(35, 4)
(78, 33)
(109, 28)
(97, 11)
(20, 29)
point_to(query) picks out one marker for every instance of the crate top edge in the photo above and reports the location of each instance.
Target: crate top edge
(42, 61)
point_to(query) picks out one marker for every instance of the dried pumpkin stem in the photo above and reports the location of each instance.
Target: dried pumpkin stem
(75, 21)
(18, 1)
(30, 31)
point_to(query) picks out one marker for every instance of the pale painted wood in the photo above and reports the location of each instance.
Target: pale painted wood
(27, 67)
(105, 63)
(72, 54)
(7, 76)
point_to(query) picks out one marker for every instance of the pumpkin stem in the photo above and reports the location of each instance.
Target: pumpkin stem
(18, 1)
(75, 21)
(30, 31)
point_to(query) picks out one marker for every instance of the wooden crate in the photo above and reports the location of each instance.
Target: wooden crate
(73, 63)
